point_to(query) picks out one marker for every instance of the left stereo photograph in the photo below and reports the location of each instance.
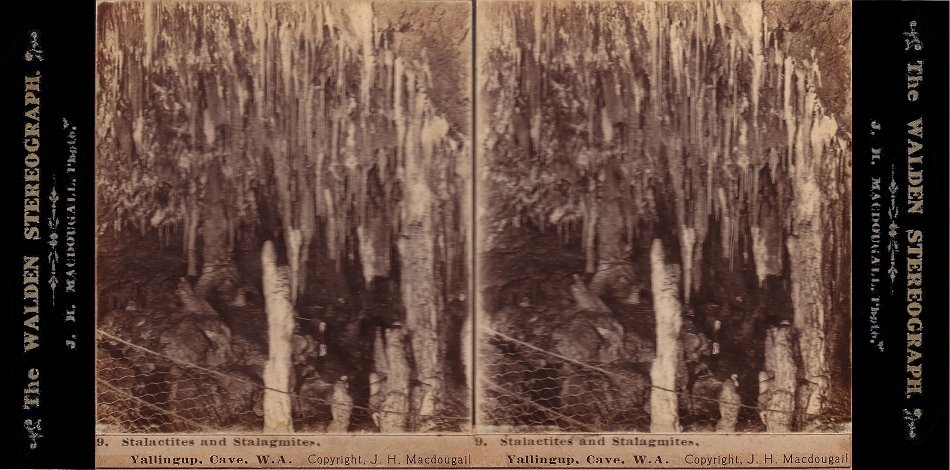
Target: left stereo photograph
(283, 229)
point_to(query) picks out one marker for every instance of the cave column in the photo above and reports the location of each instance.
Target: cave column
(809, 134)
(423, 307)
(421, 297)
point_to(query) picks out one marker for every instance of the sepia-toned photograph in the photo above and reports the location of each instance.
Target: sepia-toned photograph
(283, 195)
(663, 225)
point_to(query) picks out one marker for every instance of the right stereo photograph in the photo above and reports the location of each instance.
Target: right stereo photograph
(663, 232)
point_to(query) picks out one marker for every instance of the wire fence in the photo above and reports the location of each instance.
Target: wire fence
(523, 388)
(529, 388)
(143, 390)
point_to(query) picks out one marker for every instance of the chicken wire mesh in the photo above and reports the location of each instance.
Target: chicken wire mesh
(142, 390)
(525, 388)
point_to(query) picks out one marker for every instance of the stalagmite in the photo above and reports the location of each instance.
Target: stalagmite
(666, 306)
(729, 401)
(341, 406)
(377, 378)
(698, 103)
(389, 398)
(280, 328)
(809, 310)
(777, 382)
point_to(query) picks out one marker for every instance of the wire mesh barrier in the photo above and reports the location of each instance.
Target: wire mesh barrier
(526, 388)
(143, 390)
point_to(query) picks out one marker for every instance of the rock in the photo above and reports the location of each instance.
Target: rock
(701, 401)
(617, 280)
(248, 353)
(311, 405)
(219, 335)
(585, 299)
(186, 342)
(245, 395)
(220, 284)
(606, 402)
(191, 302)
(590, 337)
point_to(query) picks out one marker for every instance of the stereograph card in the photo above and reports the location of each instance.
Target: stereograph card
(494, 233)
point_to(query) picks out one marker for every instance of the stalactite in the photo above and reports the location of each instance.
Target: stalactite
(589, 236)
(767, 248)
(703, 91)
(192, 222)
(687, 243)
(373, 231)
(294, 254)
(307, 225)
